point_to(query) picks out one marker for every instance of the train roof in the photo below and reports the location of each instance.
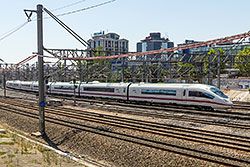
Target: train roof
(173, 85)
(106, 84)
(121, 84)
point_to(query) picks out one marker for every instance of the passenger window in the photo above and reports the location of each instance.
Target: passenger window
(159, 92)
(99, 89)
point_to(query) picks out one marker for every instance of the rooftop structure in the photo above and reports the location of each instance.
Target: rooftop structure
(110, 42)
(154, 42)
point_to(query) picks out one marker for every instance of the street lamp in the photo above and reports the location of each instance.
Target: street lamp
(4, 78)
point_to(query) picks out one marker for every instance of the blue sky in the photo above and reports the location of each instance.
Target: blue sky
(132, 19)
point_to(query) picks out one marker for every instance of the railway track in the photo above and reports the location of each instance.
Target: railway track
(231, 142)
(188, 114)
(242, 105)
(163, 108)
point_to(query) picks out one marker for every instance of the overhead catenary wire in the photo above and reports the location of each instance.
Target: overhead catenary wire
(68, 29)
(80, 39)
(69, 5)
(196, 45)
(87, 8)
(9, 33)
(12, 31)
(234, 45)
(216, 41)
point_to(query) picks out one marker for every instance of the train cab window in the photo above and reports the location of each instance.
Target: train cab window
(99, 89)
(218, 92)
(159, 92)
(200, 94)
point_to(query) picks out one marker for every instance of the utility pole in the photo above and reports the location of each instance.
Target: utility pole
(210, 74)
(41, 81)
(41, 78)
(74, 82)
(4, 77)
(4, 83)
(218, 72)
(122, 76)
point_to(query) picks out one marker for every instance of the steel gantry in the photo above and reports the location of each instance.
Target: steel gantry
(85, 66)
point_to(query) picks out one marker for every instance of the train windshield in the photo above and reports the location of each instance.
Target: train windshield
(218, 92)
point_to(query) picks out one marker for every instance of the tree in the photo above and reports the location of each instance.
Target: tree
(190, 71)
(60, 74)
(242, 61)
(80, 64)
(214, 65)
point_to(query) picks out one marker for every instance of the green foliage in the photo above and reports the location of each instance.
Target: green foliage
(3, 136)
(242, 61)
(192, 73)
(60, 67)
(214, 66)
(127, 75)
(164, 74)
(6, 143)
(99, 53)
(2, 153)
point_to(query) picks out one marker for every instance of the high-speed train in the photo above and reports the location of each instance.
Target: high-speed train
(200, 95)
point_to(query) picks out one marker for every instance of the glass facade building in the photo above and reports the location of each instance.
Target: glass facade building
(154, 42)
(229, 48)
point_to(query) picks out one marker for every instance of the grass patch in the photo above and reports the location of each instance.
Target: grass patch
(2, 153)
(35, 161)
(11, 156)
(7, 143)
(8, 161)
(3, 136)
(27, 152)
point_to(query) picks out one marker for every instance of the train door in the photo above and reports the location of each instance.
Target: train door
(185, 94)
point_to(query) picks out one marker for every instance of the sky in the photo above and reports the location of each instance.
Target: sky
(178, 20)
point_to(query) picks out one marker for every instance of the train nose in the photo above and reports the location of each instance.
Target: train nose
(228, 102)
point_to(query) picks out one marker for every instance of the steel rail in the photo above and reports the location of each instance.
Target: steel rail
(198, 154)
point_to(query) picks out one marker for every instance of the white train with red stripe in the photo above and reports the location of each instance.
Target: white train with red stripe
(199, 95)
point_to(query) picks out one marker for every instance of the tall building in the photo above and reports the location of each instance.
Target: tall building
(154, 42)
(110, 42)
(228, 47)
